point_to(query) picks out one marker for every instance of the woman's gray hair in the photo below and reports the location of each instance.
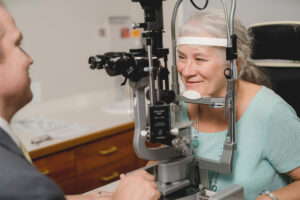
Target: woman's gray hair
(212, 22)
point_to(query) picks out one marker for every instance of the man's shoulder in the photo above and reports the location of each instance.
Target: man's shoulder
(21, 180)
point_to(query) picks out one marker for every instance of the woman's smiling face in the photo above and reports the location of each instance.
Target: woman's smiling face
(202, 69)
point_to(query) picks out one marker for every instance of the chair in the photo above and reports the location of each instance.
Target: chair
(276, 49)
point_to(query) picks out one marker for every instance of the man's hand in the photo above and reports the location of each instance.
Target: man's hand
(136, 186)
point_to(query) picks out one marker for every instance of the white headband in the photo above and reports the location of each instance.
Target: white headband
(206, 41)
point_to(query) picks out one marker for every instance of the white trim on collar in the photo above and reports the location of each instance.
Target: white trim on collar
(206, 41)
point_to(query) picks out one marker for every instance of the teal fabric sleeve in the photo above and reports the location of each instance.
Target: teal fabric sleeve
(283, 138)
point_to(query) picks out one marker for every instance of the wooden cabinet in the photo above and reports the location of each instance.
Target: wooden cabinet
(60, 166)
(102, 176)
(99, 153)
(94, 163)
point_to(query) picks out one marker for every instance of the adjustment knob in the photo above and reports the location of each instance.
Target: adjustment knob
(144, 133)
(174, 131)
(138, 25)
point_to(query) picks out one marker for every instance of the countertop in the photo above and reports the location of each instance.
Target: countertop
(77, 119)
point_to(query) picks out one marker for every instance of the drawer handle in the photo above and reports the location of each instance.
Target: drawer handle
(108, 151)
(108, 178)
(45, 171)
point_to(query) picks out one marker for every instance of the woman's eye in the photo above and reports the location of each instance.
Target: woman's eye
(200, 59)
(181, 57)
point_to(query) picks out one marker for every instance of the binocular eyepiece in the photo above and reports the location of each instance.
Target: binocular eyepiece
(97, 62)
(115, 63)
(122, 63)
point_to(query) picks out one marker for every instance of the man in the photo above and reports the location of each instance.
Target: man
(19, 179)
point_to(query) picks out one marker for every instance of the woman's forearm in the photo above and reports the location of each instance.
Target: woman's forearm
(289, 192)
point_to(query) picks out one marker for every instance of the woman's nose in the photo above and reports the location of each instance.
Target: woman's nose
(189, 68)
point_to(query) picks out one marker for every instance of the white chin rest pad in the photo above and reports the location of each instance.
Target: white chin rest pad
(191, 94)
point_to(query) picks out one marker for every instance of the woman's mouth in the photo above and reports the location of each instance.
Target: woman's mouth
(192, 83)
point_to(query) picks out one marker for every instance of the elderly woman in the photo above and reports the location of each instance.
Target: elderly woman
(267, 158)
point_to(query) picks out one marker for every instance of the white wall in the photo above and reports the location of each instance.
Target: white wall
(254, 11)
(60, 35)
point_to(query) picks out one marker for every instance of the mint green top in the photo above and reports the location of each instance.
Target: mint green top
(268, 145)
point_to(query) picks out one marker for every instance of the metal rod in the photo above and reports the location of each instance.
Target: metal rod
(151, 74)
(175, 83)
(231, 109)
(158, 89)
(232, 13)
(227, 23)
(233, 66)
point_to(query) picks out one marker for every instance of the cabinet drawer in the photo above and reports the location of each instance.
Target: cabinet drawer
(59, 166)
(103, 152)
(69, 186)
(104, 175)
